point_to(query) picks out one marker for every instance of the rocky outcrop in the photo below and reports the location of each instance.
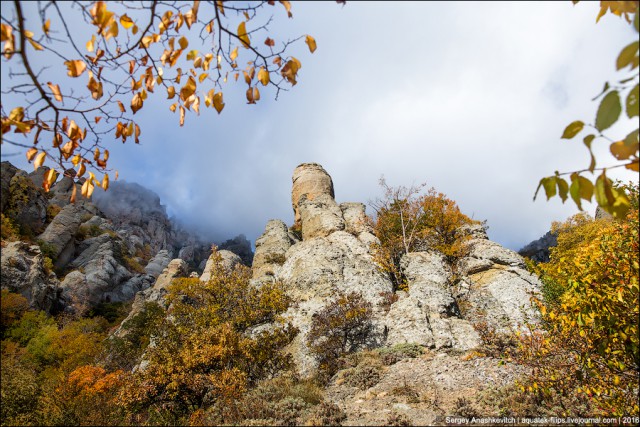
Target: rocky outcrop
(158, 263)
(271, 248)
(335, 256)
(240, 246)
(22, 200)
(312, 180)
(60, 234)
(538, 250)
(24, 272)
(229, 261)
(496, 286)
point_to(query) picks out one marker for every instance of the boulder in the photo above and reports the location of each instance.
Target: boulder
(24, 203)
(23, 272)
(320, 216)
(158, 263)
(229, 261)
(59, 236)
(310, 179)
(176, 268)
(271, 248)
(104, 276)
(240, 246)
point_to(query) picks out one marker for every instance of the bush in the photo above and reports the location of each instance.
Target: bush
(8, 229)
(342, 327)
(391, 355)
(52, 212)
(326, 414)
(362, 376)
(494, 343)
(396, 419)
(13, 307)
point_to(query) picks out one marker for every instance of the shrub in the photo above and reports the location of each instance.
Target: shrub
(362, 376)
(326, 414)
(48, 250)
(391, 355)
(396, 419)
(8, 229)
(494, 343)
(342, 327)
(52, 212)
(13, 306)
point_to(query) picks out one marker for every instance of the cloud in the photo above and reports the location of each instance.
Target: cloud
(469, 97)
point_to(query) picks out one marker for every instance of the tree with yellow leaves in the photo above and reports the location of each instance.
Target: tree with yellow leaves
(186, 50)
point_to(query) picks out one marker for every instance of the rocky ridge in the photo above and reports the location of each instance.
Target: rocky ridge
(328, 250)
(101, 250)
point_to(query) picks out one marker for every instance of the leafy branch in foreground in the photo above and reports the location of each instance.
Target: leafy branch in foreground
(608, 197)
(187, 50)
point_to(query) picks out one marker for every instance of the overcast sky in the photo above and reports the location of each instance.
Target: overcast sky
(469, 97)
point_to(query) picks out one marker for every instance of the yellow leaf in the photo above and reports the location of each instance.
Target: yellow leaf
(183, 42)
(73, 194)
(171, 92)
(46, 27)
(263, 76)
(49, 178)
(76, 159)
(35, 44)
(105, 182)
(39, 160)
(287, 6)
(621, 151)
(81, 170)
(234, 54)
(188, 89)
(202, 77)
(91, 44)
(136, 103)
(121, 105)
(126, 22)
(218, 102)
(243, 36)
(256, 94)
(250, 96)
(31, 152)
(75, 67)
(311, 42)
(56, 91)
(182, 112)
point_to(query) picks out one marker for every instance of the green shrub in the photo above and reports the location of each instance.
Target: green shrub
(48, 250)
(8, 229)
(362, 376)
(391, 355)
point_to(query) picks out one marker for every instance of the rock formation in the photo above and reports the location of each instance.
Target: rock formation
(332, 253)
(538, 250)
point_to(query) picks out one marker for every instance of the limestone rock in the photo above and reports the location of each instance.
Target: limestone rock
(271, 248)
(538, 250)
(24, 202)
(7, 171)
(158, 263)
(23, 272)
(60, 233)
(310, 179)
(355, 218)
(176, 268)
(103, 273)
(240, 246)
(229, 261)
(499, 286)
(320, 216)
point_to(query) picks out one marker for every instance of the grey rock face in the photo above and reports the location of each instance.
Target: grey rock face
(335, 256)
(23, 272)
(176, 268)
(7, 171)
(271, 248)
(158, 263)
(60, 233)
(310, 179)
(104, 275)
(240, 246)
(497, 286)
(538, 250)
(320, 216)
(23, 202)
(229, 261)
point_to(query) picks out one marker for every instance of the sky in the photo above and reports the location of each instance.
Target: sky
(469, 97)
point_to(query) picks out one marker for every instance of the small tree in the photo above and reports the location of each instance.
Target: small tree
(342, 327)
(407, 221)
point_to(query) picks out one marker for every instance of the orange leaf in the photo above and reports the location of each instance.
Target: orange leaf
(269, 42)
(75, 68)
(31, 154)
(263, 76)
(243, 36)
(287, 6)
(311, 42)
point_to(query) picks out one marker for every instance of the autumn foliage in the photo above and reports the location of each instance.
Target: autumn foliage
(408, 221)
(120, 57)
(589, 349)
